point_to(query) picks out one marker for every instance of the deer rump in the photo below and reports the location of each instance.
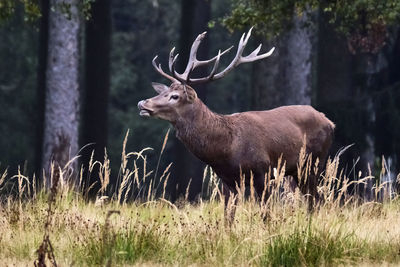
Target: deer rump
(254, 141)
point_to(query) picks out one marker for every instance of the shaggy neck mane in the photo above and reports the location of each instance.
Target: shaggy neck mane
(202, 131)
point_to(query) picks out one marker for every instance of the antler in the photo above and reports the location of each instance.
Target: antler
(193, 62)
(160, 70)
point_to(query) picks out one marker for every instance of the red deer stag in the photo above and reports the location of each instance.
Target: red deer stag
(244, 142)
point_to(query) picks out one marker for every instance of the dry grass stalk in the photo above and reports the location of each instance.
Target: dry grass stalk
(161, 152)
(45, 249)
(104, 173)
(124, 157)
(80, 182)
(3, 178)
(267, 179)
(165, 172)
(187, 190)
(149, 192)
(129, 187)
(165, 185)
(21, 188)
(124, 182)
(109, 235)
(252, 190)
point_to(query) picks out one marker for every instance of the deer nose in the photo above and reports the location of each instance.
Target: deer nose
(140, 104)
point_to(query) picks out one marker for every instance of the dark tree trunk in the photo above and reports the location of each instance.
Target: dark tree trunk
(195, 15)
(41, 84)
(285, 78)
(343, 95)
(395, 81)
(386, 83)
(334, 90)
(62, 82)
(194, 20)
(97, 85)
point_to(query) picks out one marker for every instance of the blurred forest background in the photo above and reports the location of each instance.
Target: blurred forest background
(72, 72)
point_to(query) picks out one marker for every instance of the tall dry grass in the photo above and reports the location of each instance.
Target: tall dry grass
(135, 224)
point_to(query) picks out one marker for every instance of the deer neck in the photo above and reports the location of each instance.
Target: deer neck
(205, 133)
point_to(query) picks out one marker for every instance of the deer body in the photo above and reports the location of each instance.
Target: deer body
(255, 140)
(247, 142)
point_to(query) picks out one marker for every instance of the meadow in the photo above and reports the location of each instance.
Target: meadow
(136, 225)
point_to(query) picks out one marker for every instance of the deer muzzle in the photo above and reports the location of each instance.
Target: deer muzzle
(143, 110)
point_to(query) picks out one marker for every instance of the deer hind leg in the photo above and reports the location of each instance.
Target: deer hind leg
(230, 201)
(307, 176)
(308, 186)
(261, 187)
(311, 192)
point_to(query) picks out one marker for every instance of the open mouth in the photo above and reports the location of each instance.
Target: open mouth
(145, 112)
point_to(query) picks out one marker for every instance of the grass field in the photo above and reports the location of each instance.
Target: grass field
(63, 228)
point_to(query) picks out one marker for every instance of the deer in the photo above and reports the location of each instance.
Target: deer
(247, 143)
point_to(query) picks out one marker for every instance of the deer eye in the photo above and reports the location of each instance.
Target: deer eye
(175, 97)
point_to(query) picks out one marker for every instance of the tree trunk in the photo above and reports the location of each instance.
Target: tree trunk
(41, 84)
(97, 81)
(285, 78)
(62, 94)
(187, 168)
(343, 95)
(384, 79)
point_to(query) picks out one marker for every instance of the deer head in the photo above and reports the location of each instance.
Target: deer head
(170, 103)
(174, 100)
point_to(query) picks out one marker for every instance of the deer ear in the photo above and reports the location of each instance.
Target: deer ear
(159, 87)
(191, 94)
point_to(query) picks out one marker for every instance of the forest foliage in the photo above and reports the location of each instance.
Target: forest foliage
(32, 9)
(271, 16)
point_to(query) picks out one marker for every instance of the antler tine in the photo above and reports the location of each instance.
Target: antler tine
(192, 58)
(214, 69)
(255, 52)
(173, 64)
(248, 36)
(172, 60)
(215, 65)
(254, 55)
(159, 70)
(239, 59)
(199, 63)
